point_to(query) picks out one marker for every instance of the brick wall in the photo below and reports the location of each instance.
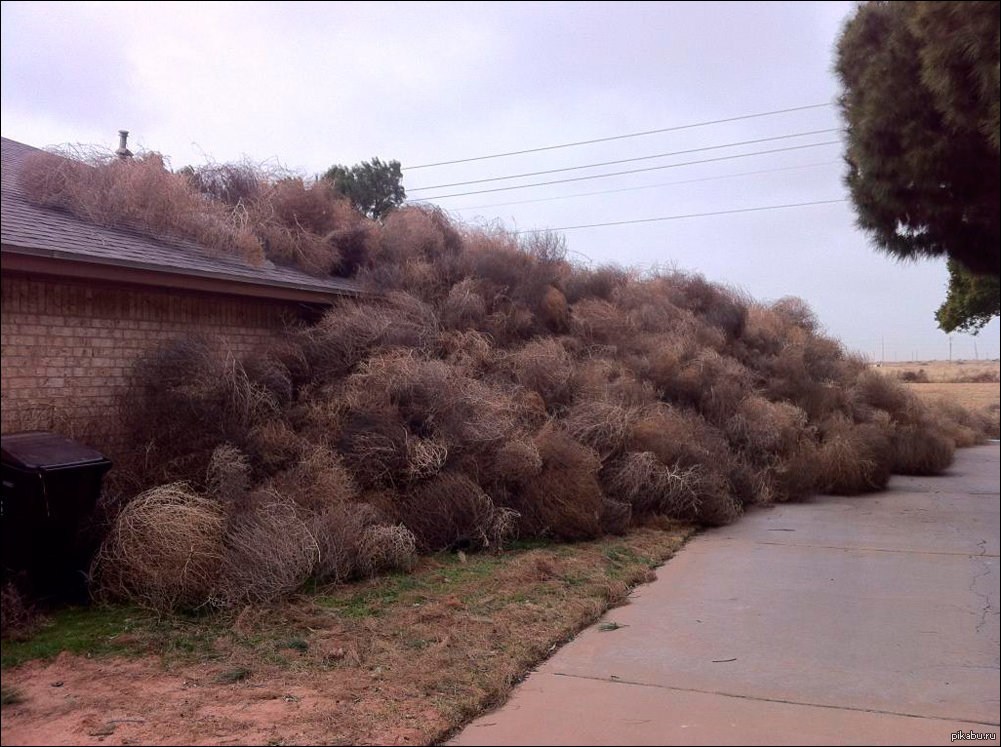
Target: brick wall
(67, 349)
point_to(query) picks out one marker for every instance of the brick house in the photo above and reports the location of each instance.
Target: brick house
(81, 302)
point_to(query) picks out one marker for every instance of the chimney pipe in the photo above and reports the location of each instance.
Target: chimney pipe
(123, 152)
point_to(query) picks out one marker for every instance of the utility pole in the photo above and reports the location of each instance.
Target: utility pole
(975, 353)
(950, 348)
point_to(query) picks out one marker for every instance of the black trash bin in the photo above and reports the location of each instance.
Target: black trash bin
(50, 487)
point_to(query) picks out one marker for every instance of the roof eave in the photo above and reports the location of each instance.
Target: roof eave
(60, 264)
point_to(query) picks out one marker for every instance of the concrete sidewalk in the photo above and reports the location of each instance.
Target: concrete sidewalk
(860, 620)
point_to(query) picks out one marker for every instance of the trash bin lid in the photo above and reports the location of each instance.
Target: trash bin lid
(43, 450)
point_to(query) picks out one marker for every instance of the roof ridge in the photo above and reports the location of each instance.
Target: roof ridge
(58, 233)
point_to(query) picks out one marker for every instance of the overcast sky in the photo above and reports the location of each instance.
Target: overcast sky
(314, 84)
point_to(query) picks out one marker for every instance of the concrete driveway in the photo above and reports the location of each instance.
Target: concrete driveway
(866, 620)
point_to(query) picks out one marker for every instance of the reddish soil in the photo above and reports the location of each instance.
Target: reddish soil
(75, 700)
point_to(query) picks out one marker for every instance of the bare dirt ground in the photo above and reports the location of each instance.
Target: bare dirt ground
(76, 700)
(403, 659)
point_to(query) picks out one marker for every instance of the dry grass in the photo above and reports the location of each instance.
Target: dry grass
(972, 396)
(406, 658)
(944, 372)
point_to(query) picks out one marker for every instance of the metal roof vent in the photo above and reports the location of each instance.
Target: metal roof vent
(123, 151)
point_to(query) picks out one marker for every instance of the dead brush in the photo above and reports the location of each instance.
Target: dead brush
(234, 184)
(601, 322)
(269, 374)
(348, 334)
(250, 210)
(921, 450)
(186, 397)
(19, 616)
(317, 481)
(616, 516)
(302, 224)
(543, 366)
(597, 378)
(517, 461)
(797, 312)
(679, 436)
(884, 393)
(269, 551)
(601, 282)
(853, 458)
(761, 428)
(374, 446)
(339, 529)
(716, 305)
(464, 306)
(385, 548)
(663, 363)
(137, 193)
(470, 351)
(437, 401)
(964, 426)
(603, 426)
(795, 475)
(510, 323)
(649, 486)
(494, 256)
(227, 478)
(765, 329)
(452, 511)
(715, 383)
(273, 446)
(426, 457)
(553, 310)
(164, 550)
(416, 233)
(565, 499)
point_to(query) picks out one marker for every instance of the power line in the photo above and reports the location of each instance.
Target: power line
(646, 186)
(687, 215)
(620, 137)
(630, 171)
(629, 160)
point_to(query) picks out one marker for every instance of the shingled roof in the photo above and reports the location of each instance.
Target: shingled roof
(50, 241)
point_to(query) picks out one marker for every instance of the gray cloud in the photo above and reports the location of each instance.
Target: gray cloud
(316, 83)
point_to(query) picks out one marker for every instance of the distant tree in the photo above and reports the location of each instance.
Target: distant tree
(973, 300)
(921, 103)
(373, 187)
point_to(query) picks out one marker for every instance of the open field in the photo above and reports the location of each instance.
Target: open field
(973, 396)
(401, 659)
(945, 371)
(973, 384)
